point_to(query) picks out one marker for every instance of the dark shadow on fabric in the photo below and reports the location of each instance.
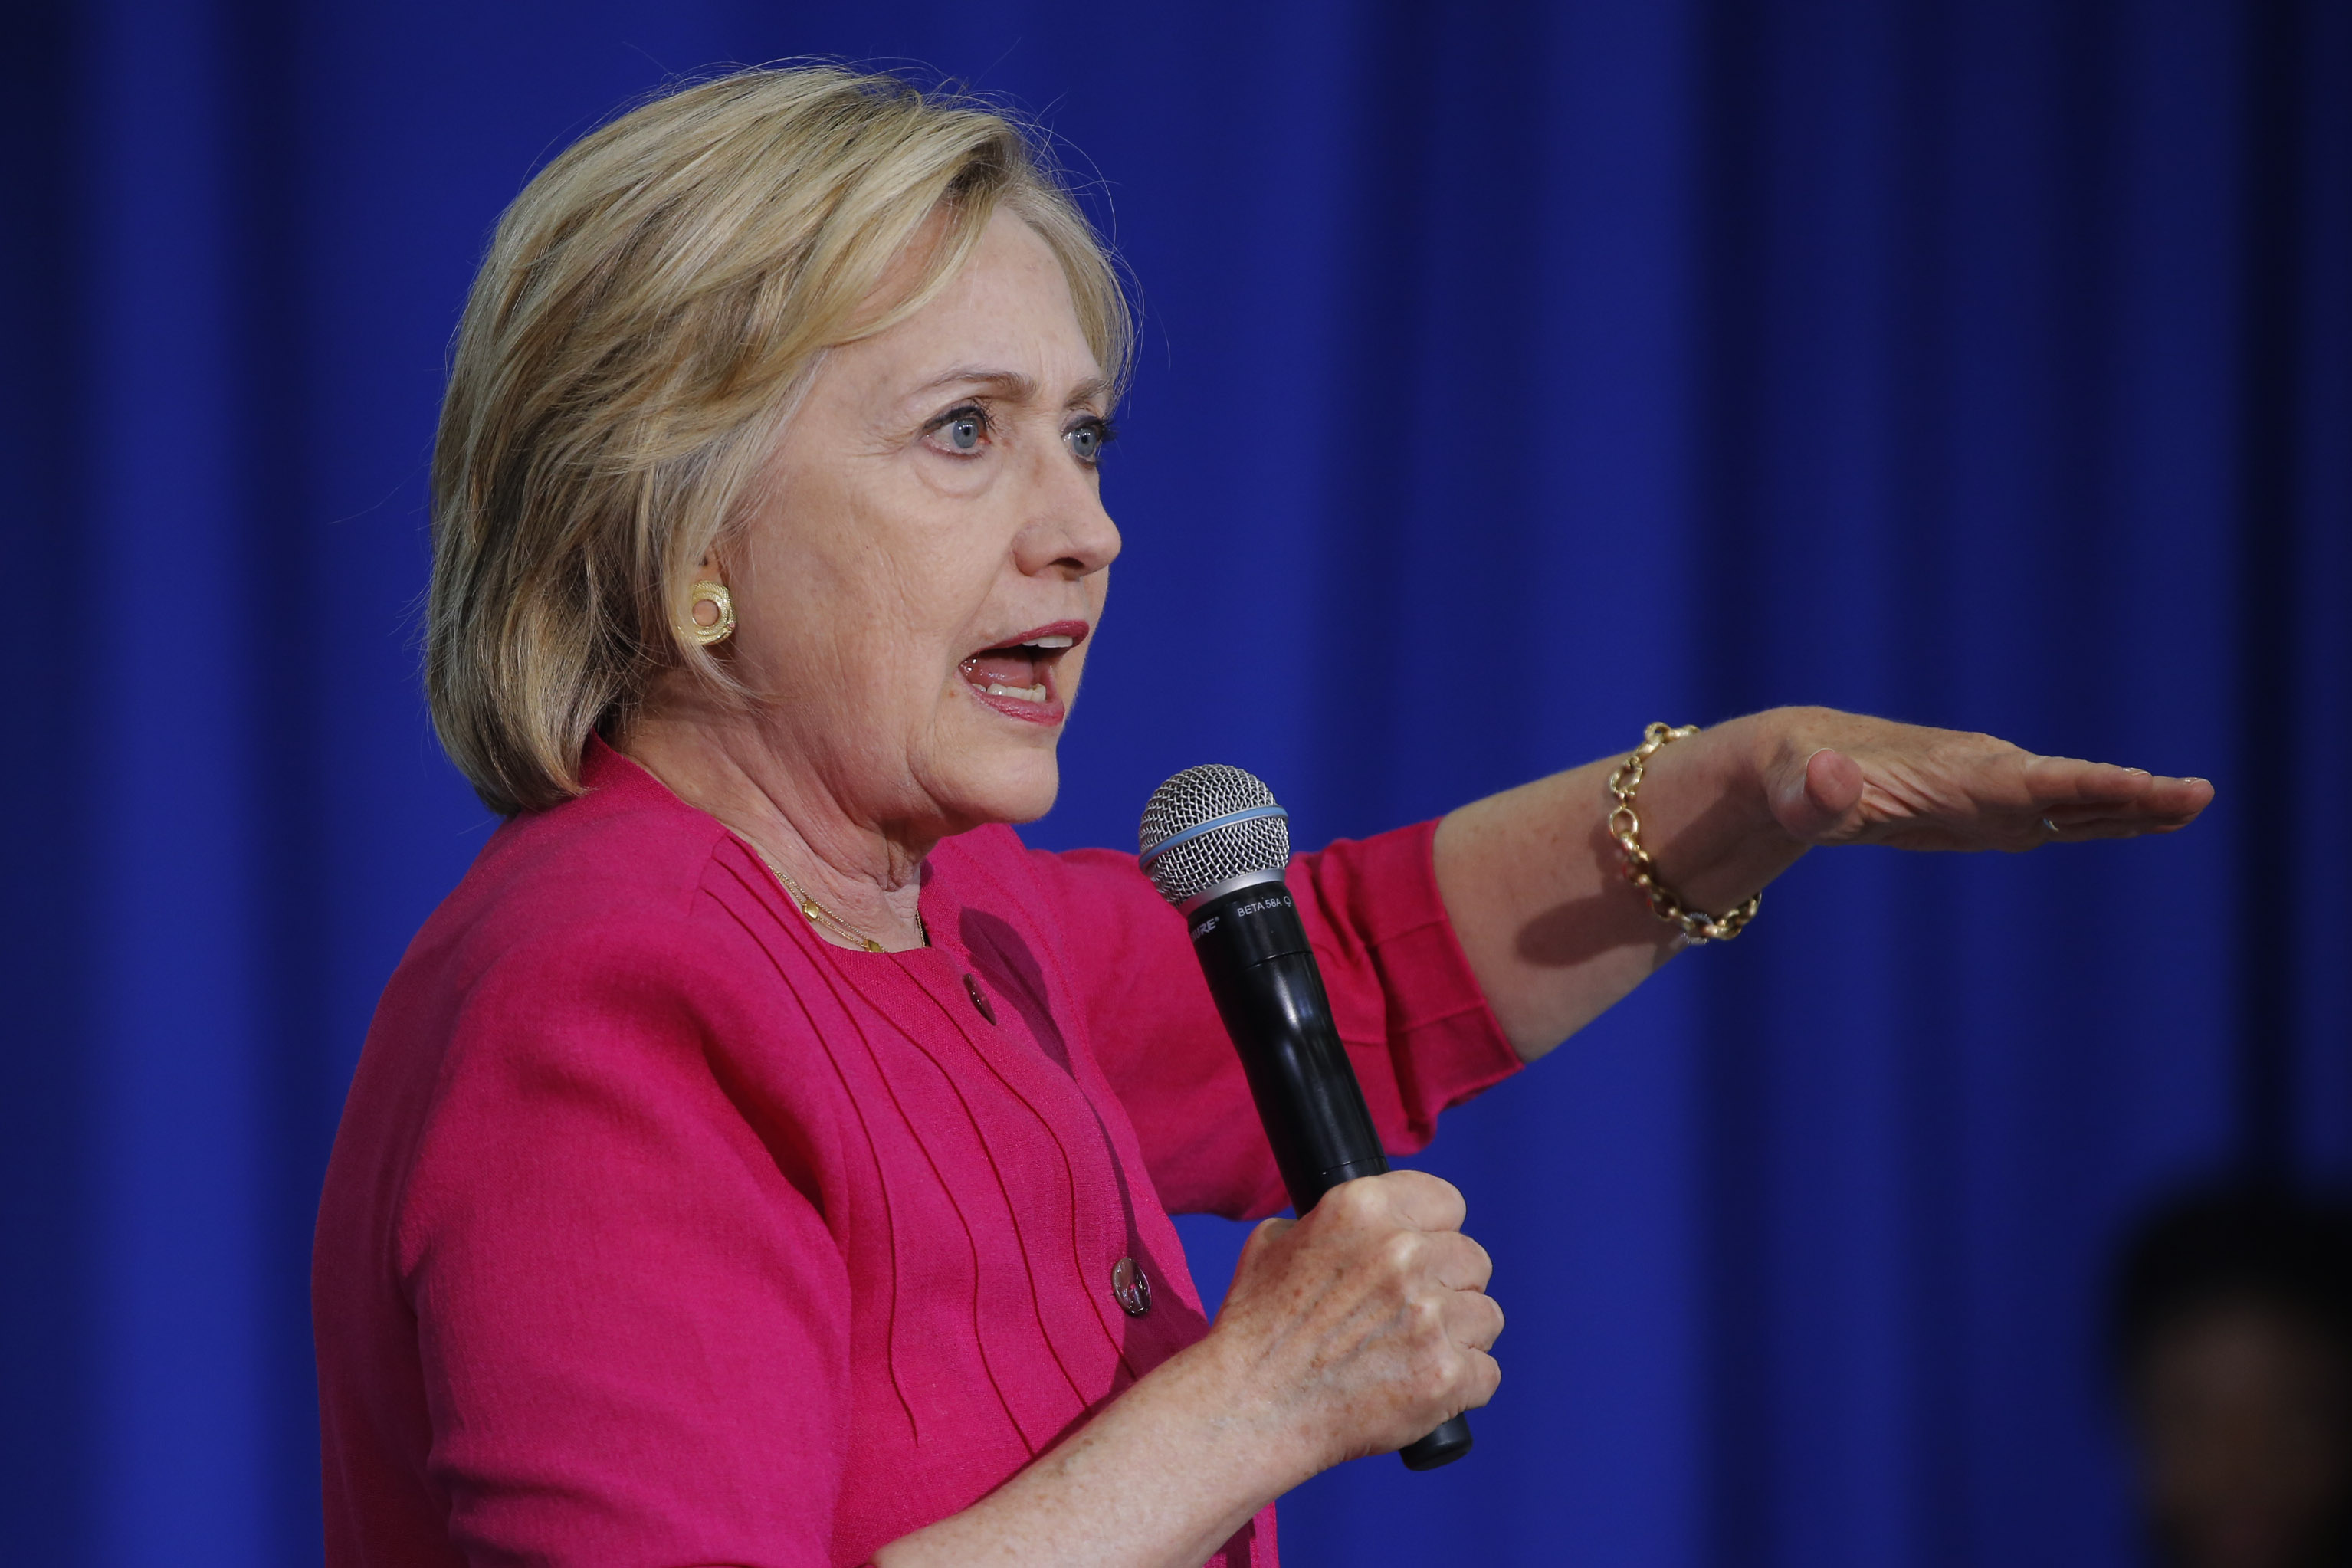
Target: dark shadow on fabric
(1733, 317)
(1012, 971)
(282, 553)
(2271, 291)
(48, 1365)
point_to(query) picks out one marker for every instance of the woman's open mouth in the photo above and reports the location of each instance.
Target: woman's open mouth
(1016, 677)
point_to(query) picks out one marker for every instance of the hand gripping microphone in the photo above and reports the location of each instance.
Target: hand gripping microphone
(1216, 844)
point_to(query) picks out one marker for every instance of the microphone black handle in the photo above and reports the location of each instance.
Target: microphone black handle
(1270, 994)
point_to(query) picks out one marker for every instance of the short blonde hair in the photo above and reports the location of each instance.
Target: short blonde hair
(650, 306)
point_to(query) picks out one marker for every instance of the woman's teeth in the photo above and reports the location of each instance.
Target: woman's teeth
(1015, 671)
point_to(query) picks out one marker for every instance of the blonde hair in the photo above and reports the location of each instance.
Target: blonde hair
(650, 307)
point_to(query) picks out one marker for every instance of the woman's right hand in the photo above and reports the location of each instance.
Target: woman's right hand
(1352, 1331)
(1365, 1325)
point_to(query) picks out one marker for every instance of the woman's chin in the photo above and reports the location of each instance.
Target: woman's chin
(1013, 789)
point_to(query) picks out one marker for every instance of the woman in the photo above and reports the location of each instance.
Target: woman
(762, 1158)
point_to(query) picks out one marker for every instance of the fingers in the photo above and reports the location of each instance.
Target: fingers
(1459, 1374)
(1848, 779)
(2079, 801)
(2075, 830)
(1453, 1340)
(1474, 1320)
(1413, 1198)
(2156, 799)
(1438, 1253)
(2058, 780)
(1368, 1319)
(1973, 792)
(1417, 1218)
(1460, 1263)
(1449, 1259)
(1485, 1375)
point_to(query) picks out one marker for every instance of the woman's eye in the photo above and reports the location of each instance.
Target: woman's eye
(1087, 439)
(960, 430)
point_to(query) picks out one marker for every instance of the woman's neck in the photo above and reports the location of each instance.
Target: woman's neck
(864, 876)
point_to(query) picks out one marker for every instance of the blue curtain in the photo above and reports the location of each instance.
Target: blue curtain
(1513, 374)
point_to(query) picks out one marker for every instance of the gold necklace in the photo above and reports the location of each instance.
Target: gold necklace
(822, 918)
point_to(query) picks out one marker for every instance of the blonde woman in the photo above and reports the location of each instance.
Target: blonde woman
(762, 1157)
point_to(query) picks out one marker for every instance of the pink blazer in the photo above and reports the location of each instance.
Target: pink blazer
(659, 1231)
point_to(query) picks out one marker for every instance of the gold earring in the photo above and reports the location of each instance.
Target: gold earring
(718, 631)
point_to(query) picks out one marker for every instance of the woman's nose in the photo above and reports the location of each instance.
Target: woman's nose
(1068, 530)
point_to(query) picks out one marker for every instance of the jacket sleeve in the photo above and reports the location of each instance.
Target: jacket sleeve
(631, 1317)
(1412, 1016)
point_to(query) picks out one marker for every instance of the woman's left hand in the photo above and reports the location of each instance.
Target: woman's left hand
(1533, 877)
(1845, 778)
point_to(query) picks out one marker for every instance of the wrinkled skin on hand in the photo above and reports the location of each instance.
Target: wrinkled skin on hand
(1365, 1325)
(1846, 778)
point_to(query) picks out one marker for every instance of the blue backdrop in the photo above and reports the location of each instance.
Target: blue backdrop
(1512, 375)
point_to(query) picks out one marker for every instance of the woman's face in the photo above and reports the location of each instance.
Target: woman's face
(915, 589)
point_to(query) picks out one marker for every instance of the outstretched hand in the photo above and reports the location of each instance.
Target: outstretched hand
(1843, 778)
(1533, 878)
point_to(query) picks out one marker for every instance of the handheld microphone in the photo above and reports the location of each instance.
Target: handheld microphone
(1216, 844)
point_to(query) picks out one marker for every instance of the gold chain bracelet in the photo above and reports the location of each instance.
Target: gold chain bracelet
(1625, 827)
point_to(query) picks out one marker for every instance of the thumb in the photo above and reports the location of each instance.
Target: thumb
(1260, 1252)
(1267, 1232)
(1813, 800)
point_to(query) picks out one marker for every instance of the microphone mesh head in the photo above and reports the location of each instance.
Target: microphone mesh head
(1200, 795)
